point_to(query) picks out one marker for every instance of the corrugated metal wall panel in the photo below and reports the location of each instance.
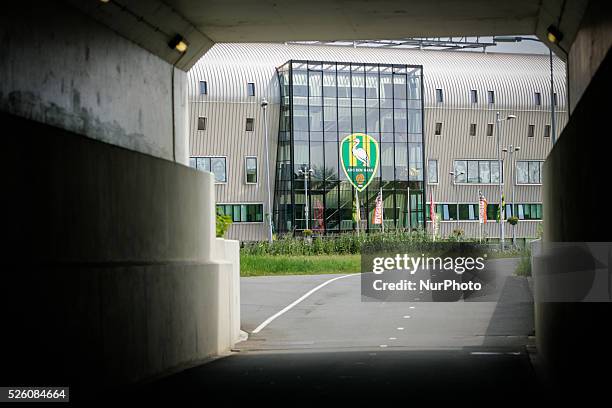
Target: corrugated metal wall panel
(515, 78)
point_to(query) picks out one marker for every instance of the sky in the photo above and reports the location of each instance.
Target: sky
(523, 47)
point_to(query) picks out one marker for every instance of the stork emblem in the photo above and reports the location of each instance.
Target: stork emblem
(360, 155)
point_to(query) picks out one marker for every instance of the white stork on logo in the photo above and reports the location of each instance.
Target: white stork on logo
(360, 153)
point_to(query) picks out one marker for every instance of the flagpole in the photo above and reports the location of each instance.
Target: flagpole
(408, 207)
(357, 210)
(479, 217)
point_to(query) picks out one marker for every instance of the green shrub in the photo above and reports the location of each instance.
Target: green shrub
(351, 243)
(222, 224)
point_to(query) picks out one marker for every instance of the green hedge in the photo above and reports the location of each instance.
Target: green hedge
(354, 244)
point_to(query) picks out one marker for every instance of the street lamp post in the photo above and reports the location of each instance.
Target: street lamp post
(498, 120)
(306, 172)
(264, 106)
(511, 150)
(553, 121)
(454, 175)
(553, 125)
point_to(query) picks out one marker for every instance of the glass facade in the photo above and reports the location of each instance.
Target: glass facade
(323, 102)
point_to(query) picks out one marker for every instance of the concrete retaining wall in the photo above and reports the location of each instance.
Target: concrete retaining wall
(112, 270)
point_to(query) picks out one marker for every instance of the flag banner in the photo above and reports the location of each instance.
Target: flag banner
(319, 211)
(501, 208)
(377, 219)
(359, 154)
(432, 208)
(482, 210)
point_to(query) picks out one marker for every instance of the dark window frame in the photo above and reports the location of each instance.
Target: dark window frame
(438, 129)
(473, 129)
(203, 88)
(491, 97)
(249, 125)
(246, 170)
(202, 122)
(531, 130)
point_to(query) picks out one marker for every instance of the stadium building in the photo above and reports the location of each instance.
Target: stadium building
(431, 112)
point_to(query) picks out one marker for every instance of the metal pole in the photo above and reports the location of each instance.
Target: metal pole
(553, 124)
(501, 189)
(513, 183)
(264, 105)
(357, 211)
(306, 212)
(456, 205)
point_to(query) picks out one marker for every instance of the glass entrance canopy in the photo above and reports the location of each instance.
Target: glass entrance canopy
(323, 102)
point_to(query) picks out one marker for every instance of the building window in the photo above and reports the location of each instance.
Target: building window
(491, 97)
(250, 124)
(556, 101)
(489, 129)
(432, 171)
(531, 131)
(242, 212)
(472, 129)
(438, 130)
(468, 212)
(529, 211)
(251, 89)
(326, 101)
(529, 172)
(203, 88)
(547, 131)
(201, 123)
(477, 171)
(474, 96)
(439, 95)
(538, 98)
(213, 164)
(250, 169)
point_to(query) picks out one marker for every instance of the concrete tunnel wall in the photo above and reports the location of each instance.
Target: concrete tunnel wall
(60, 67)
(112, 272)
(574, 338)
(115, 274)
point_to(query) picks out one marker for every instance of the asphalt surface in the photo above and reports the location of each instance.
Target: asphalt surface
(335, 317)
(334, 348)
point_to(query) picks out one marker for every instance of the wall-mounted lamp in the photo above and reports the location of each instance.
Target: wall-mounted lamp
(554, 35)
(178, 43)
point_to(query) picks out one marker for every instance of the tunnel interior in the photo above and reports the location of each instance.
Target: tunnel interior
(114, 277)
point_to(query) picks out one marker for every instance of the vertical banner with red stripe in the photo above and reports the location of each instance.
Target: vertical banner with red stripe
(377, 219)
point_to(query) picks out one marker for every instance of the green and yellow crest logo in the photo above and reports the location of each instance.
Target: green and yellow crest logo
(360, 154)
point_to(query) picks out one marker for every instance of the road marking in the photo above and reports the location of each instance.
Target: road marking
(383, 346)
(406, 317)
(288, 307)
(392, 338)
(400, 328)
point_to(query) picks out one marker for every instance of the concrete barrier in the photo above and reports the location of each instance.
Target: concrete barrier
(116, 275)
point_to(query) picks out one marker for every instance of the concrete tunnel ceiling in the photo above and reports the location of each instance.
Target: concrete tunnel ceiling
(151, 23)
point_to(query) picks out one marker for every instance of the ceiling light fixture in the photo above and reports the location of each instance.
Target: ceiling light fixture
(178, 43)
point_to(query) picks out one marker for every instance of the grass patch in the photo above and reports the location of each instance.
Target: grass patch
(264, 265)
(524, 266)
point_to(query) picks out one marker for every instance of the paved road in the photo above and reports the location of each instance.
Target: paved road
(328, 349)
(335, 317)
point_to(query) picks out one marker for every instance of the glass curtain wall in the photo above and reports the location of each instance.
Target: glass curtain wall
(323, 102)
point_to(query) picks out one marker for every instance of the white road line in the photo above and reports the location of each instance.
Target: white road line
(287, 308)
